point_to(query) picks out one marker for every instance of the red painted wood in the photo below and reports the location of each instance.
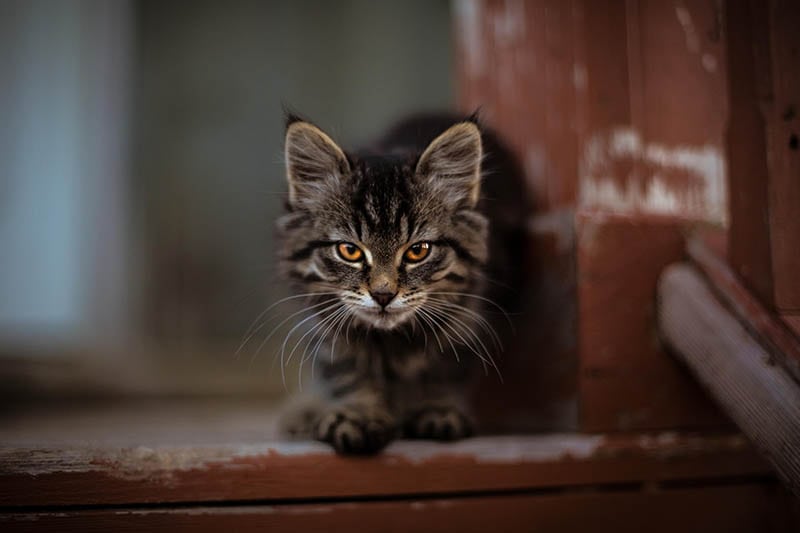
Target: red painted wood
(793, 321)
(627, 380)
(742, 508)
(783, 124)
(748, 90)
(87, 476)
(619, 105)
(515, 62)
(776, 338)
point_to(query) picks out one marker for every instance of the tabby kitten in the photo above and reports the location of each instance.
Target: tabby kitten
(390, 250)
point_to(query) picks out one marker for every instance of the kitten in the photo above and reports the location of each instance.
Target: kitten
(393, 249)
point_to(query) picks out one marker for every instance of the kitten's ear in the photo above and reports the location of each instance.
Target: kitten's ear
(452, 164)
(315, 165)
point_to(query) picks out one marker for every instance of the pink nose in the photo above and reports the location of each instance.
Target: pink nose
(383, 297)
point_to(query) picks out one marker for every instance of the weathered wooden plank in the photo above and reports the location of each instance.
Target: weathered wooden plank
(776, 338)
(745, 508)
(793, 321)
(784, 152)
(627, 381)
(515, 61)
(651, 118)
(746, 151)
(760, 397)
(87, 476)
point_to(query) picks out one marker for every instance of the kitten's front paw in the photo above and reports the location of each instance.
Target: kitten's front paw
(352, 430)
(438, 423)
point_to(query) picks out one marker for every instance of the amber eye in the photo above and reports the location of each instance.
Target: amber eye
(349, 251)
(417, 252)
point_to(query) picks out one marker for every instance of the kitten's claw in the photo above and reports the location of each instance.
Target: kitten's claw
(438, 423)
(353, 432)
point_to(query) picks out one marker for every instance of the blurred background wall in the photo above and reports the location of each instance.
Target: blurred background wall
(65, 236)
(140, 151)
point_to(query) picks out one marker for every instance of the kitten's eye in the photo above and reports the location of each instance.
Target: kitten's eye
(349, 251)
(417, 252)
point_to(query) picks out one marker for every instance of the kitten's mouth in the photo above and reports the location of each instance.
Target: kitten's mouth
(385, 318)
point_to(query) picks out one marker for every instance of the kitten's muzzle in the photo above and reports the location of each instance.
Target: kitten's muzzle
(383, 298)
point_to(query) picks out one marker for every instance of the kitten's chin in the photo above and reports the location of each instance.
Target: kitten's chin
(385, 320)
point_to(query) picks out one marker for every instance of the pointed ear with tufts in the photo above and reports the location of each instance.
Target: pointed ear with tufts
(315, 165)
(452, 165)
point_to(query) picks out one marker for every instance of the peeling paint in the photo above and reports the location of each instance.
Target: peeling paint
(689, 31)
(536, 163)
(693, 43)
(30, 517)
(200, 511)
(621, 172)
(580, 77)
(558, 224)
(709, 62)
(433, 504)
(160, 463)
(504, 449)
(141, 461)
(509, 23)
(470, 16)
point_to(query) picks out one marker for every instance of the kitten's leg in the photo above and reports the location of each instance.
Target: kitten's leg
(438, 417)
(299, 415)
(358, 423)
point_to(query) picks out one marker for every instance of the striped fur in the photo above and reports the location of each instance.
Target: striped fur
(400, 369)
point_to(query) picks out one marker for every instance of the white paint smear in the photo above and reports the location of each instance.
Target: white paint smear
(469, 14)
(702, 195)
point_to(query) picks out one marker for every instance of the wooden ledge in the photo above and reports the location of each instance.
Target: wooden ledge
(740, 508)
(272, 472)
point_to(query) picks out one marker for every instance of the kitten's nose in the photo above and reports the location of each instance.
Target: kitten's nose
(383, 297)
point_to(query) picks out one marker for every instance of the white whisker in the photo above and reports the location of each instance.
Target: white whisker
(331, 321)
(471, 334)
(468, 314)
(284, 321)
(481, 298)
(288, 336)
(433, 330)
(436, 321)
(252, 329)
(485, 325)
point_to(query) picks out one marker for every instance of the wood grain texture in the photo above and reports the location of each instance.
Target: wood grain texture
(745, 508)
(619, 105)
(85, 475)
(793, 321)
(760, 397)
(749, 92)
(784, 152)
(781, 343)
(627, 381)
(515, 63)
(763, 148)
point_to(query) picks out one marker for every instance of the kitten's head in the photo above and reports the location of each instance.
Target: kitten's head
(384, 237)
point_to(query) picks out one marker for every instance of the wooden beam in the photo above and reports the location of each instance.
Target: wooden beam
(745, 508)
(784, 152)
(749, 249)
(778, 339)
(86, 475)
(734, 367)
(763, 150)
